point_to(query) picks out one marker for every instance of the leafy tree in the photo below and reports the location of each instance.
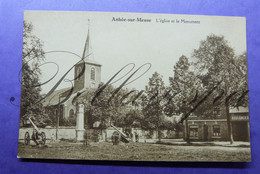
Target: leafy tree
(186, 87)
(33, 54)
(103, 111)
(216, 61)
(241, 65)
(153, 103)
(132, 118)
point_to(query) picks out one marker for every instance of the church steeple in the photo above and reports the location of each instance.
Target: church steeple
(87, 53)
(91, 76)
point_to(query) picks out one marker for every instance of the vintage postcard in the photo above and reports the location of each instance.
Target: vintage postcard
(134, 87)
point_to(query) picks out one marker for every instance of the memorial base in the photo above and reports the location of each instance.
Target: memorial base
(80, 134)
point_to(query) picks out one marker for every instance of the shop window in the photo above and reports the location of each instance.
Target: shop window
(194, 131)
(216, 130)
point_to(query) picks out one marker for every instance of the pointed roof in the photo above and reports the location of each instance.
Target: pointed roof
(87, 55)
(86, 52)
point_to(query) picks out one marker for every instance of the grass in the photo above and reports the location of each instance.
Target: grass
(134, 152)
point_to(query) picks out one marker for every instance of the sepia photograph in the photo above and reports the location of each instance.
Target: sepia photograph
(134, 87)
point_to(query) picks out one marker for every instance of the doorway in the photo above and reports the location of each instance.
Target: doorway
(240, 131)
(205, 132)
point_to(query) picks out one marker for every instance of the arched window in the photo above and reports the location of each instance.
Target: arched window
(71, 113)
(92, 74)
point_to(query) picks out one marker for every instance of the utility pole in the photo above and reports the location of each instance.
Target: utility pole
(58, 119)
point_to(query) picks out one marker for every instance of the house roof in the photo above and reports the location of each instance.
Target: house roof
(239, 110)
(93, 62)
(55, 97)
(172, 118)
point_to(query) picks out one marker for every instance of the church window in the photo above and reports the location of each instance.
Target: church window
(79, 75)
(92, 73)
(71, 113)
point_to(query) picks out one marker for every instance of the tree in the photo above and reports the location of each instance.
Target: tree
(153, 103)
(216, 61)
(112, 111)
(186, 87)
(241, 64)
(101, 110)
(33, 54)
(132, 118)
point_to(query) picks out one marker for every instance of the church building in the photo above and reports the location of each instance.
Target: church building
(87, 76)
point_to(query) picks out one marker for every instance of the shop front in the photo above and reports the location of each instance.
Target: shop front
(240, 126)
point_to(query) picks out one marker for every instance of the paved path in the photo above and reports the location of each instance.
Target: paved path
(209, 143)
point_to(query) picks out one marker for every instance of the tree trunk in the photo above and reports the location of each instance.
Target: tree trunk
(101, 133)
(187, 131)
(105, 134)
(158, 134)
(158, 123)
(230, 133)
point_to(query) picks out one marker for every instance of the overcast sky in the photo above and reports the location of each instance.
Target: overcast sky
(116, 43)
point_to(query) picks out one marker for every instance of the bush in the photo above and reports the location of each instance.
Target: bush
(115, 138)
(91, 136)
(71, 121)
(161, 134)
(95, 136)
(171, 134)
(149, 135)
(86, 137)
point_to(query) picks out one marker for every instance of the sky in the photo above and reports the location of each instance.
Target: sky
(115, 44)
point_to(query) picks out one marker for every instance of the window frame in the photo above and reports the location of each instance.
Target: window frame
(71, 115)
(214, 132)
(78, 72)
(93, 73)
(192, 133)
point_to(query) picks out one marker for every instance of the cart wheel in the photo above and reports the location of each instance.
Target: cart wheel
(43, 138)
(27, 138)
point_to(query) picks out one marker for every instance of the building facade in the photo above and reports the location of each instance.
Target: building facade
(215, 128)
(240, 124)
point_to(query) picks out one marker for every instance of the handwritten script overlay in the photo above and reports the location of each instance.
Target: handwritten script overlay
(145, 67)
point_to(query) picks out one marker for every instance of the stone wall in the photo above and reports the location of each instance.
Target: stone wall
(63, 133)
(69, 133)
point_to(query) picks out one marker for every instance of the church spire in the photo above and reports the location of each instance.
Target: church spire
(87, 53)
